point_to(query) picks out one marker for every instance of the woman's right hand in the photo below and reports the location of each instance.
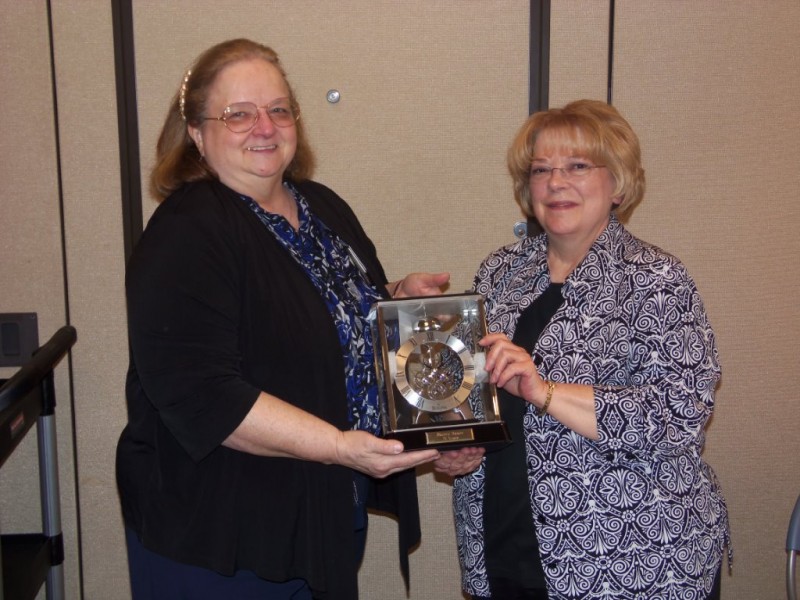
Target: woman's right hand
(276, 428)
(511, 367)
(378, 457)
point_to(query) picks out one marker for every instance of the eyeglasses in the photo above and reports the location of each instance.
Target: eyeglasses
(243, 116)
(575, 170)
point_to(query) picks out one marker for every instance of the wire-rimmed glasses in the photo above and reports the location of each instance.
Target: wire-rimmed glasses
(241, 117)
(573, 170)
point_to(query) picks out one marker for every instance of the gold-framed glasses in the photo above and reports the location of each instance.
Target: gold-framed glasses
(241, 117)
(573, 170)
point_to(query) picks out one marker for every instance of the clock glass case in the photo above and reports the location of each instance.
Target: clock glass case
(433, 387)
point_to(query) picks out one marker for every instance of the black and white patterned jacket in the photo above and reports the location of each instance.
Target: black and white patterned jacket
(637, 514)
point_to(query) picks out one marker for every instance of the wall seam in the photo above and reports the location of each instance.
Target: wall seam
(127, 123)
(65, 282)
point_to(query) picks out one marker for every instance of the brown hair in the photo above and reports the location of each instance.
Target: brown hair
(588, 128)
(177, 159)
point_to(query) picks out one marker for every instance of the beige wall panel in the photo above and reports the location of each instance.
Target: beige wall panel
(578, 50)
(712, 89)
(83, 44)
(30, 245)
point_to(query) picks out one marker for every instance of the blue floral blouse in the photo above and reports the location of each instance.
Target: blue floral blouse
(347, 293)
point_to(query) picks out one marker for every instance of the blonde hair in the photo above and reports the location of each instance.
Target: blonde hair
(587, 128)
(177, 159)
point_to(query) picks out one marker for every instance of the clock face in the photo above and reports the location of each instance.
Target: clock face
(435, 371)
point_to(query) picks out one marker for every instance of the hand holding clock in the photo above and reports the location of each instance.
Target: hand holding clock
(511, 367)
(378, 457)
(418, 284)
(459, 462)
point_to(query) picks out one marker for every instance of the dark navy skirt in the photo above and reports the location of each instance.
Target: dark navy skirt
(154, 577)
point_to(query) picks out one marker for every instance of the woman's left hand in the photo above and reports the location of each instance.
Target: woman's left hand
(419, 284)
(459, 462)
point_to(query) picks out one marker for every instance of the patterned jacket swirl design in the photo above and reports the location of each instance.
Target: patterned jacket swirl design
(637, 514)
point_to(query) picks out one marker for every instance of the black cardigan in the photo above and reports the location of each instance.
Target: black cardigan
(217, 312)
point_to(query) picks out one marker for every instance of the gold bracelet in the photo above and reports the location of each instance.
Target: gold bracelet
(551, 386)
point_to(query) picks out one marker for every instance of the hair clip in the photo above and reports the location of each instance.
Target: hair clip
(182, 100)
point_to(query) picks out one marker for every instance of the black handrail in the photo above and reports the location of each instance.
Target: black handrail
(43, 361)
